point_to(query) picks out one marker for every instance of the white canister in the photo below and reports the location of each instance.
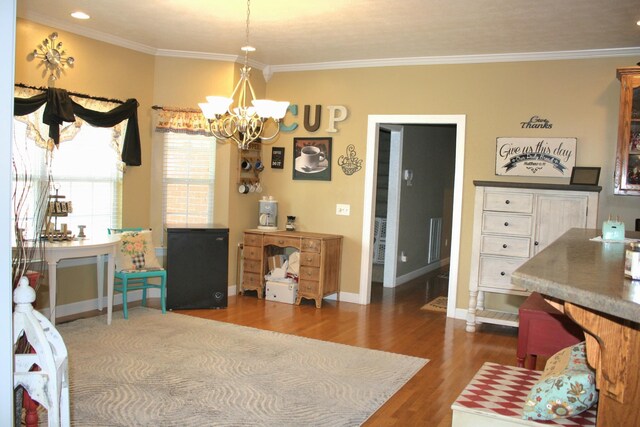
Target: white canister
(632, 261)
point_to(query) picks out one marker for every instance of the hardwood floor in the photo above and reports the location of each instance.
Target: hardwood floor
(392, 322)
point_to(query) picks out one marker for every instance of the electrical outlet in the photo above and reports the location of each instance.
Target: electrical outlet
(343, 209)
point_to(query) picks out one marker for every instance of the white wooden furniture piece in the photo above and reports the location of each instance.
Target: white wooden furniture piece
(49, 384)
(100, 247)
(513, 222)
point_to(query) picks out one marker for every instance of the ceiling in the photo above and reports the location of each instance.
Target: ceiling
(299, 34)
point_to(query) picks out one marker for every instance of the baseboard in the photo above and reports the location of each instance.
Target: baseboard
(400, 280)
(92, 304)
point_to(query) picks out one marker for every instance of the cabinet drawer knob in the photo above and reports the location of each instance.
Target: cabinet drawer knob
(504, 246)
(281, 241)
(536, 243)
(309, 259)
(507, 201)
(506, 224)
(502, 273)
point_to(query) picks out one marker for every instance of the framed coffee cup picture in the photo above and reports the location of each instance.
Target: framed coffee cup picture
(312, 159)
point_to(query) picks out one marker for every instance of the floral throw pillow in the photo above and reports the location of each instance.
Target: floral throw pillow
(136, 251)
(566, 387)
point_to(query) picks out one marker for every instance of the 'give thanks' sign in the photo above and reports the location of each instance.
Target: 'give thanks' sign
(551, 157)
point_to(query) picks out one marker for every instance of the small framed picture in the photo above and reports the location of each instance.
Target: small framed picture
(585, 175)
(277, 157)
(312, 158)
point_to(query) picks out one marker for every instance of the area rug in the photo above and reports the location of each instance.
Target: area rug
(178, 370)
(439, 304)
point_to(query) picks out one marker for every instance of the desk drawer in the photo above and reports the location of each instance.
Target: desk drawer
(253, 266)
(252, 280)
(309, 273)
(252, 252)
(308, 287)
(252, 239)
(515, 225)
(496, 272)
(508, 202)
(283, 242)
(507, 246)
(310, 259)
(311, 245)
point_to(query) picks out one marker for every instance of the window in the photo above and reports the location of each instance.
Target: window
(188, 178)
(86, 170)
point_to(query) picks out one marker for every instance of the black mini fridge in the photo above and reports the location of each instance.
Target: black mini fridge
(197, 267)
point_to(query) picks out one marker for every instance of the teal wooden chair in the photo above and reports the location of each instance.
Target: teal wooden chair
(136, 264)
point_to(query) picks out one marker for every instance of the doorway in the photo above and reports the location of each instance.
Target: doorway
(396, 121)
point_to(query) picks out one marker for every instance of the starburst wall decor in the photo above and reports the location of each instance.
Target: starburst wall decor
(52, 57)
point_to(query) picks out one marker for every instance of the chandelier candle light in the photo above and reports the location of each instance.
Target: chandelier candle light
(245, 123)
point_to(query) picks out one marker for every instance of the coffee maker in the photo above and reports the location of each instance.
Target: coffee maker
(268, 214)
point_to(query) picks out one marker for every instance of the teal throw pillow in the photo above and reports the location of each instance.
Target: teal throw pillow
(566, 387)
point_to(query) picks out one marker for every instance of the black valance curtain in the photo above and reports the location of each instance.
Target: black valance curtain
(61, 108)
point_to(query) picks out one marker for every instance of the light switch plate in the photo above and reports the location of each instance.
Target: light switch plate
(343, 209)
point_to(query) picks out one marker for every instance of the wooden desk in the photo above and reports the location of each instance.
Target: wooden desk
(320, 256)
(98, 247)
(589, 277)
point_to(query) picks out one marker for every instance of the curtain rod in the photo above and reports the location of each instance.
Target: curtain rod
(79, 95)
(177, 109)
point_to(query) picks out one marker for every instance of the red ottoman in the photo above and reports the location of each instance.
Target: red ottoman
(543, 330)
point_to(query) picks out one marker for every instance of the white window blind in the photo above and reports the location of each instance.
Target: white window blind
(188, 179)
(87, 170)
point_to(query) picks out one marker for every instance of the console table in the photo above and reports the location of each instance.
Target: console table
(589, 277)
(320, 256)
(98, 247)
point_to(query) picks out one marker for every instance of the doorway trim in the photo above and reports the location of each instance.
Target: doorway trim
(371, 166)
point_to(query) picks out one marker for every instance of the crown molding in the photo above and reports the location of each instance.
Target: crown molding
(269, 70)
(87, 32)
(204, 55)
(459, 59)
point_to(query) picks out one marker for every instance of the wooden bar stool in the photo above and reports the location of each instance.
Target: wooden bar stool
(543, 330)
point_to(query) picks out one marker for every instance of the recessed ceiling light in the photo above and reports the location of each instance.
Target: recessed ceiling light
(80, 15)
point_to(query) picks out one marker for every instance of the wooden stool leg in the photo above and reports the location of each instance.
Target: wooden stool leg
(31, 417)
(531, 362)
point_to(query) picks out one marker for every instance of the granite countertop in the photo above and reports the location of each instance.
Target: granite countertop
(585, 273)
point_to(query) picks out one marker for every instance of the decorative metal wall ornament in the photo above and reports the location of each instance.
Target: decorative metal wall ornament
(53, 58)
(350, 164)
(536, 122)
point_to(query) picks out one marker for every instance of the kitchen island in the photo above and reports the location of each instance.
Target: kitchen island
(588, 277)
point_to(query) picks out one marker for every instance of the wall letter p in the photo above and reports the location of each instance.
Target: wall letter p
(337, 113)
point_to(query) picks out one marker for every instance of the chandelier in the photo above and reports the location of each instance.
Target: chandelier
(245, 123)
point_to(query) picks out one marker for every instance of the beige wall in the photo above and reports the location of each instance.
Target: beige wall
(579, 97)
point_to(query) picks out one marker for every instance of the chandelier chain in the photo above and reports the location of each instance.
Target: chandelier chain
(248, 15)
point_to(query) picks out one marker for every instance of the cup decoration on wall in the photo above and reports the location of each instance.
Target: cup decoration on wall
(350, 163)
(312, 158)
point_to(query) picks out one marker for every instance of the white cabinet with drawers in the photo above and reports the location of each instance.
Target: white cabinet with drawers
(513, 222)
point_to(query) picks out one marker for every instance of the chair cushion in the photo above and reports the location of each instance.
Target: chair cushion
(136, 251)
(566, 387)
